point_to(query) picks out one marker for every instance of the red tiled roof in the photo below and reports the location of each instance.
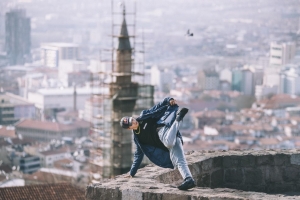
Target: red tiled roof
(50, 126)
(45, 192)
(7, 132)
(268, 141)
(210, 114)
(280, 100)
(54, 152)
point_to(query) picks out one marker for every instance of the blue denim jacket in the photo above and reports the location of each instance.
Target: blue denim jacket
(165, 114)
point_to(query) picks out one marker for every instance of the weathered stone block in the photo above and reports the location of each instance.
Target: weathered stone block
(233, 176)
(99, 192)
(216, 178)
(247, 161)
(265, 160)
(169, 177)
(203, 180)
(175, 197)
(152, 196)
(231, 161)
(281, 188)
(281, 159)
(257, 188)
(270, 188)
(217, 162)
(129, 194)
(290, 174)
(195, 168)
(207, 164)
(295, 159)
(253, 176)
(272, 174)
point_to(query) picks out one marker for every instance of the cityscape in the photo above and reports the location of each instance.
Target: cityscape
(69, 71)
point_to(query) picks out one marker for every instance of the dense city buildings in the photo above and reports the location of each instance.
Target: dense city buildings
(13, 108)
(64, 89)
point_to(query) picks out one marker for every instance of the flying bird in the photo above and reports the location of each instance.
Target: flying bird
(189, 33)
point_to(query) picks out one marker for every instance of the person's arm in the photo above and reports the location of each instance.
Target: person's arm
(137, 160)
(168, 101)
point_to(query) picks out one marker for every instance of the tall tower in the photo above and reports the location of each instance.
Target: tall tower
(17, 37)
(115, 95)
(124, 93)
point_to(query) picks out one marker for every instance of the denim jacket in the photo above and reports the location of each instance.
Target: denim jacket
(166, 115)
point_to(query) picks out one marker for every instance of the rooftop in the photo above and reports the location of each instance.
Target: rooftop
(70, 91)
(60, 44)
(50, 126)
(45, 192)
(7, 131)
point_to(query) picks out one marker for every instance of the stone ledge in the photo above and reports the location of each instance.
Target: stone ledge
(216, 173)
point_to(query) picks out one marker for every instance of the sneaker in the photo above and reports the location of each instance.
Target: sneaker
(181, 114)
(188, 183)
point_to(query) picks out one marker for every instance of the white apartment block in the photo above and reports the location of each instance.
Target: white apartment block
(49, 157)
(264, 90)
(290, 80)
(47, 131)
(68, 67)
(225, 75)
(53, 53)
(62, 98)
(162, 79)
(282, 53)
(208, 80)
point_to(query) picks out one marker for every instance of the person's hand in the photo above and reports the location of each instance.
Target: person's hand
(172, 102)
(127, 176)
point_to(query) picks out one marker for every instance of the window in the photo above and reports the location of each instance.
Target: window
(278, 57)
(276, 48)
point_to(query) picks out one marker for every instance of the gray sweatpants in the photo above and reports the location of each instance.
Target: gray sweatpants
(168, 137)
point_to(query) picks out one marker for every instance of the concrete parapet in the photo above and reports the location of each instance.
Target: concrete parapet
(267, 174)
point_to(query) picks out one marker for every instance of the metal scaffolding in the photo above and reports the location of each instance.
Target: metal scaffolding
(115, 95)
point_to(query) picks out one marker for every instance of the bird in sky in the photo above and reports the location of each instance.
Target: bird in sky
(189, 33)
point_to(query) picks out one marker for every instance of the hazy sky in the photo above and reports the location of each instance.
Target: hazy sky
(215, 23)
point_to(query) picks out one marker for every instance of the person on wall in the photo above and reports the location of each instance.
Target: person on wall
(156, 135)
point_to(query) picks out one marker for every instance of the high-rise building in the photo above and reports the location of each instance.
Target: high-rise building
(208, 80)
(282, 53)
(53, 53)
(236, 83)
(289, 80)
(247, 84)
(17, 37)
(162, 79)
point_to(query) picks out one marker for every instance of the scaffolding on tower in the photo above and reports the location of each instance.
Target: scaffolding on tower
(117, 93)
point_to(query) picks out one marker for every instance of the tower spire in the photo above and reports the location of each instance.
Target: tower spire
(124, 43)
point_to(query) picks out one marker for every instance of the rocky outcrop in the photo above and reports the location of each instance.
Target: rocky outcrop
(268, 174)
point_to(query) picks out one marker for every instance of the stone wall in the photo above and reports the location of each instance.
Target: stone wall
(218, 175)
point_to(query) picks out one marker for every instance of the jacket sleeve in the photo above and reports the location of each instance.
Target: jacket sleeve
(165, 102)
(137, 160)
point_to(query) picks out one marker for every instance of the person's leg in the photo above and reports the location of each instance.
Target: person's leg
(168, 135)
(178, 159)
